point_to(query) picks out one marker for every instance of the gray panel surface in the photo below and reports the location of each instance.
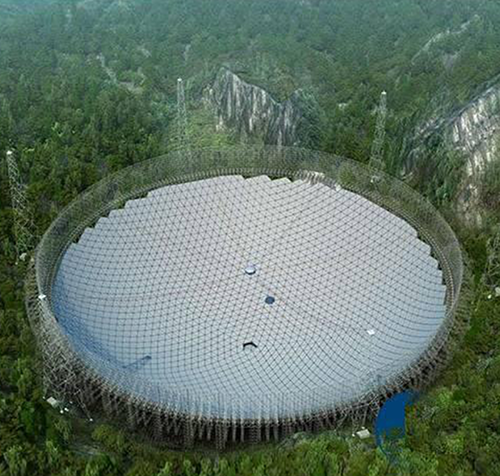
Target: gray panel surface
(159, 288)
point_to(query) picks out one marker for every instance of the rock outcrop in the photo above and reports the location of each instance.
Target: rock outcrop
(473, 131)
(253, 113)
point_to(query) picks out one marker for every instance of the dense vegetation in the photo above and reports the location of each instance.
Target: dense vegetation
(88, 87)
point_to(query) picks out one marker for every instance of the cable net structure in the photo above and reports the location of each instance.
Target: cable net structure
(243, 294)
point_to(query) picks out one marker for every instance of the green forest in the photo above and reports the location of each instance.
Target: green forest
(88, 87)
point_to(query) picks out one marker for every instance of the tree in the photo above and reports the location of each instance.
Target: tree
(101, 465)
(53, 453)
(15, 461)
(166, 470)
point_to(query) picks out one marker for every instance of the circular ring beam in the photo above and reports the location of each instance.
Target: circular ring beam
(246, 291)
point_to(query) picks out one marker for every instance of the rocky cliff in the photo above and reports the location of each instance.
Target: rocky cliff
(253, 113)
(474, 132)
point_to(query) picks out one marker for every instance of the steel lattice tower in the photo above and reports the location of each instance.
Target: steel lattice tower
(23, 224)
(182, 133)
(376, 159)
